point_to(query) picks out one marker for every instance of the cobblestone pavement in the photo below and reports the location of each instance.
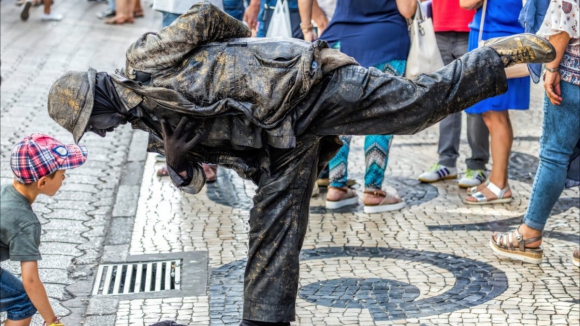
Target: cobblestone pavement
(76, 220)
(428, 264)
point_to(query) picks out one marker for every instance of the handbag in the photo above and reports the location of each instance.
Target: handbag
(280, 22)
(516, 71)
(424, 56)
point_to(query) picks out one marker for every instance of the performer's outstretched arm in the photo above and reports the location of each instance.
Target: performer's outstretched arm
(202, 23)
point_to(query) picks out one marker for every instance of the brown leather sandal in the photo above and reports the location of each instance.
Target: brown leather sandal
(350, 199)
(504, 246)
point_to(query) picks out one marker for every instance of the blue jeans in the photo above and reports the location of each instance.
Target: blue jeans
(13, 297)
(560, 133)
(168, 18)
(234, 8)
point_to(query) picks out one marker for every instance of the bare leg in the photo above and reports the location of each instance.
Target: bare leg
(124, 12)
(501, 132)
(22, 322)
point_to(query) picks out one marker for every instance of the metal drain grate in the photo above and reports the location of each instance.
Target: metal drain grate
(131, 278)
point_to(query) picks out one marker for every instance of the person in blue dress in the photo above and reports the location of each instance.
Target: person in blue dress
(375, 35)
(501, 19)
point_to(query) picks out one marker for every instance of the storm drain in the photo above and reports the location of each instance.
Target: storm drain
(131, 278)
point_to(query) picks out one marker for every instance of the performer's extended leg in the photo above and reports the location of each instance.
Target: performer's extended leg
(359, 101)
(278, 222)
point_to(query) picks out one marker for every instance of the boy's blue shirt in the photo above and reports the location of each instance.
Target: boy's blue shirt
(19, 227)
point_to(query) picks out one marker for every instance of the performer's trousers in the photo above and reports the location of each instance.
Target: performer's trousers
(349, 101)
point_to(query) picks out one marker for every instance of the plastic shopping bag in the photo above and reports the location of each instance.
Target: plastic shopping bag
(280, 22)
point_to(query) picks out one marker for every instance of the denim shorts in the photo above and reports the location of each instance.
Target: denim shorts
(13, 297)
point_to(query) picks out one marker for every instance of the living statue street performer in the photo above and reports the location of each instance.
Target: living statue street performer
(270, 109)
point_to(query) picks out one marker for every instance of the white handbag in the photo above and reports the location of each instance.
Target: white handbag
(424, 56)
(516, 71)
(280, 23)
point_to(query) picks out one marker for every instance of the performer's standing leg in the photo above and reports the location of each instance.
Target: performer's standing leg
(278, 223)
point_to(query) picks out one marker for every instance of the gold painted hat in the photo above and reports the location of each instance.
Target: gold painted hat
(71, 99)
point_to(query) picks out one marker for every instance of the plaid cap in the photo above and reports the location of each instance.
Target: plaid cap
(39, 155)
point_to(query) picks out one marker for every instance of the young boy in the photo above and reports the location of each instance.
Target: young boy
(38, 163)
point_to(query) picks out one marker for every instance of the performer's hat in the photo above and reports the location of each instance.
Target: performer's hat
(71, 99)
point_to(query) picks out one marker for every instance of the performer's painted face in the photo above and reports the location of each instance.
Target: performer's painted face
(103, 123)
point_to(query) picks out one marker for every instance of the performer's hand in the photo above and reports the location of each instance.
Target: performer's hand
(177, 143)
(552, 87)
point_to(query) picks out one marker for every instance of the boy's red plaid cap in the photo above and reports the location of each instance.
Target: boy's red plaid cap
(39, 155)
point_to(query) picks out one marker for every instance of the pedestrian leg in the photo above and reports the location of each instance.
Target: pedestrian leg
(478, 139)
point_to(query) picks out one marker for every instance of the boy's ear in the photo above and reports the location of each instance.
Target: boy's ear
(41, 183)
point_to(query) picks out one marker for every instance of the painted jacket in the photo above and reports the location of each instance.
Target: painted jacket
(238, 91)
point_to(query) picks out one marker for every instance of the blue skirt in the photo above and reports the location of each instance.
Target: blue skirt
(518, 94)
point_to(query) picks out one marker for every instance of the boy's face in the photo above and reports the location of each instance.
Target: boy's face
(48, 186)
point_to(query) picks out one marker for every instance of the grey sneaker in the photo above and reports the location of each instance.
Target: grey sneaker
(522, 48)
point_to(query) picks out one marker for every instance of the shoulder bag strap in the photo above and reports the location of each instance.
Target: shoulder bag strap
(484, 9)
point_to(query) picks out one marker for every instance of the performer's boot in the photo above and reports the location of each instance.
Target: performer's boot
(522, 48)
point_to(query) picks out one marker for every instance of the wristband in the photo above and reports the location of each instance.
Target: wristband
(552, 69)
(308, 27)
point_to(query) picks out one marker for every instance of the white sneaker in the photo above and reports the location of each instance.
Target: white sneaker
(438, 172)
(52, 17)
(472, 178)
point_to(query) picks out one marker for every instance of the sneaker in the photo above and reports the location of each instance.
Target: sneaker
(52, 17)
(106, 14)
(25, 13)
(472, 178)
(438, 172)
(576, 257)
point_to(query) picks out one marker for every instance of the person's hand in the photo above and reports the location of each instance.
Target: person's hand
(552, 87)
(251, 15)
(309, 35)
(178, 143)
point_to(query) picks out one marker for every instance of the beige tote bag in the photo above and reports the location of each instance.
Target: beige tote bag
(516, 71)
(424, 56)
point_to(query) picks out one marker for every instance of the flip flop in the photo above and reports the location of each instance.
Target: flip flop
(384, 205)
(351, 199)
(116, 21)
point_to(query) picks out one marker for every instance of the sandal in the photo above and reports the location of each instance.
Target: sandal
(499, 193)
(138, 14)
(119, 21)
(504, 246)
(163, 172)
(473, 189)
(350, 199)
(210, 172)
(385, 205)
